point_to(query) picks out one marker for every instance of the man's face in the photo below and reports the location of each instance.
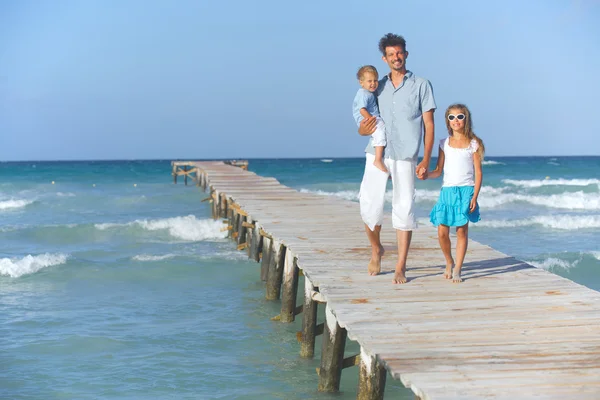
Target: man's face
(395, 57)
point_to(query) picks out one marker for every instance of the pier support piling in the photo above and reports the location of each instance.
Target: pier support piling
(223, 207)
(234, 224)
(256, 244)
(371, 377)
(309, 322)
(266, 258)
(204, 180)
(216, 204)
(230, 218)
(290, 288)
(275, 273)
(241, 229)
(332, 354)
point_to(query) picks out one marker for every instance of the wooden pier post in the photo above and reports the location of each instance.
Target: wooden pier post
(332, 354)
(266, 257)
(185, 168)
(275, 273)
(241, 229)
(234, 224)
(230, 217)
(223, 201)
(256, 244)
(309, 321)
(174, 174)
(290, 288)
(371, 377)
(249, 225)
(216, 204)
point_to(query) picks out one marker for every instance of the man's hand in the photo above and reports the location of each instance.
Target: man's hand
(422, 170)
(367, 126)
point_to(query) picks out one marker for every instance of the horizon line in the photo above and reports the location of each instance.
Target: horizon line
(253, 158)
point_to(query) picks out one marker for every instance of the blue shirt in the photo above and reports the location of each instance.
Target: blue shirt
(402, 111)
(364, 99)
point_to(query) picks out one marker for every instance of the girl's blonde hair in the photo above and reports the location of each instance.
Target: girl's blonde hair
(468, 126)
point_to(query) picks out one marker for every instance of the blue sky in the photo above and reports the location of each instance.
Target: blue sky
(129, 79)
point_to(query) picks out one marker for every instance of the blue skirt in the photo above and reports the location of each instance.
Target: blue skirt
(452, 208)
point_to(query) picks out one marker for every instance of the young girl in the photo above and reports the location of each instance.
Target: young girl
(460, 159)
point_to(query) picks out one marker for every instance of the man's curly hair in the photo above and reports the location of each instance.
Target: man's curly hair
(391, 40)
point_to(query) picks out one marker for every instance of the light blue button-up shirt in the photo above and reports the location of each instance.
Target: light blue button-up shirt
(367, 100)
(402, 111)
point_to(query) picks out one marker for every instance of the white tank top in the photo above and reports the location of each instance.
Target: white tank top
(458, 164)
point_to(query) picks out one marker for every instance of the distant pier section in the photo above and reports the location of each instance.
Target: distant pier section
(189, 168)
(509, 331)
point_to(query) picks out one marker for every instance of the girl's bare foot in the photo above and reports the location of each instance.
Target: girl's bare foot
(379, 164)
(375, 262)
(400, 276)
(448, 272)
(456, 275)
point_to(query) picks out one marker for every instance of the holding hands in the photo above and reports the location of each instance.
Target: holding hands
(422, 171)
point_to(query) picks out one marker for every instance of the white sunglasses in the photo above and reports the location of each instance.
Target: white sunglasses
(459, 117)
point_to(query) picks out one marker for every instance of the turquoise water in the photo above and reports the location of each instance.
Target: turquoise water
(116, 284)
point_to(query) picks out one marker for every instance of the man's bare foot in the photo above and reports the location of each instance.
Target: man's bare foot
(456, 275)
(399, 276)
(448, 272)
(375, 262)
(380, 164)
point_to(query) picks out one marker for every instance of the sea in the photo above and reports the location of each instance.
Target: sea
(117, 284)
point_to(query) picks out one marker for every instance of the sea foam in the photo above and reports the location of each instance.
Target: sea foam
(534, 183)
(148, 257)
(491, 162)
(562, 222)
(15, 267)
(568, 200)
(553, 262)
(491, 197)
(183, 228)
(12, 204)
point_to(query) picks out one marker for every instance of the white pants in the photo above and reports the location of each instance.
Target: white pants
(378, 137)
(372, 193)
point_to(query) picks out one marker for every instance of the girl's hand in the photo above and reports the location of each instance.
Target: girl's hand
(472, 205)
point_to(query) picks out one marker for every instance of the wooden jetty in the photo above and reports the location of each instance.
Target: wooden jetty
(509, 331)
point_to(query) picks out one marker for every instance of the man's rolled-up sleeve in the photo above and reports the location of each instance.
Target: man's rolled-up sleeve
(427, 99)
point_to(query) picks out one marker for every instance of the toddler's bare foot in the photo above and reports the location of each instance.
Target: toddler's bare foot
(456, 275)
(448, 272)
(375, 262)
(399, 276)
(381, 165)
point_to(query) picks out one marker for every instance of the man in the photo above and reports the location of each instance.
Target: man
(406, 104)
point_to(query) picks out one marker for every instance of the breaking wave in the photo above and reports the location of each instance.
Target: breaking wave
(13, 204)
(491, 162)
(535, 183)
(15, 267)
(183, 228)
(562, 222)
